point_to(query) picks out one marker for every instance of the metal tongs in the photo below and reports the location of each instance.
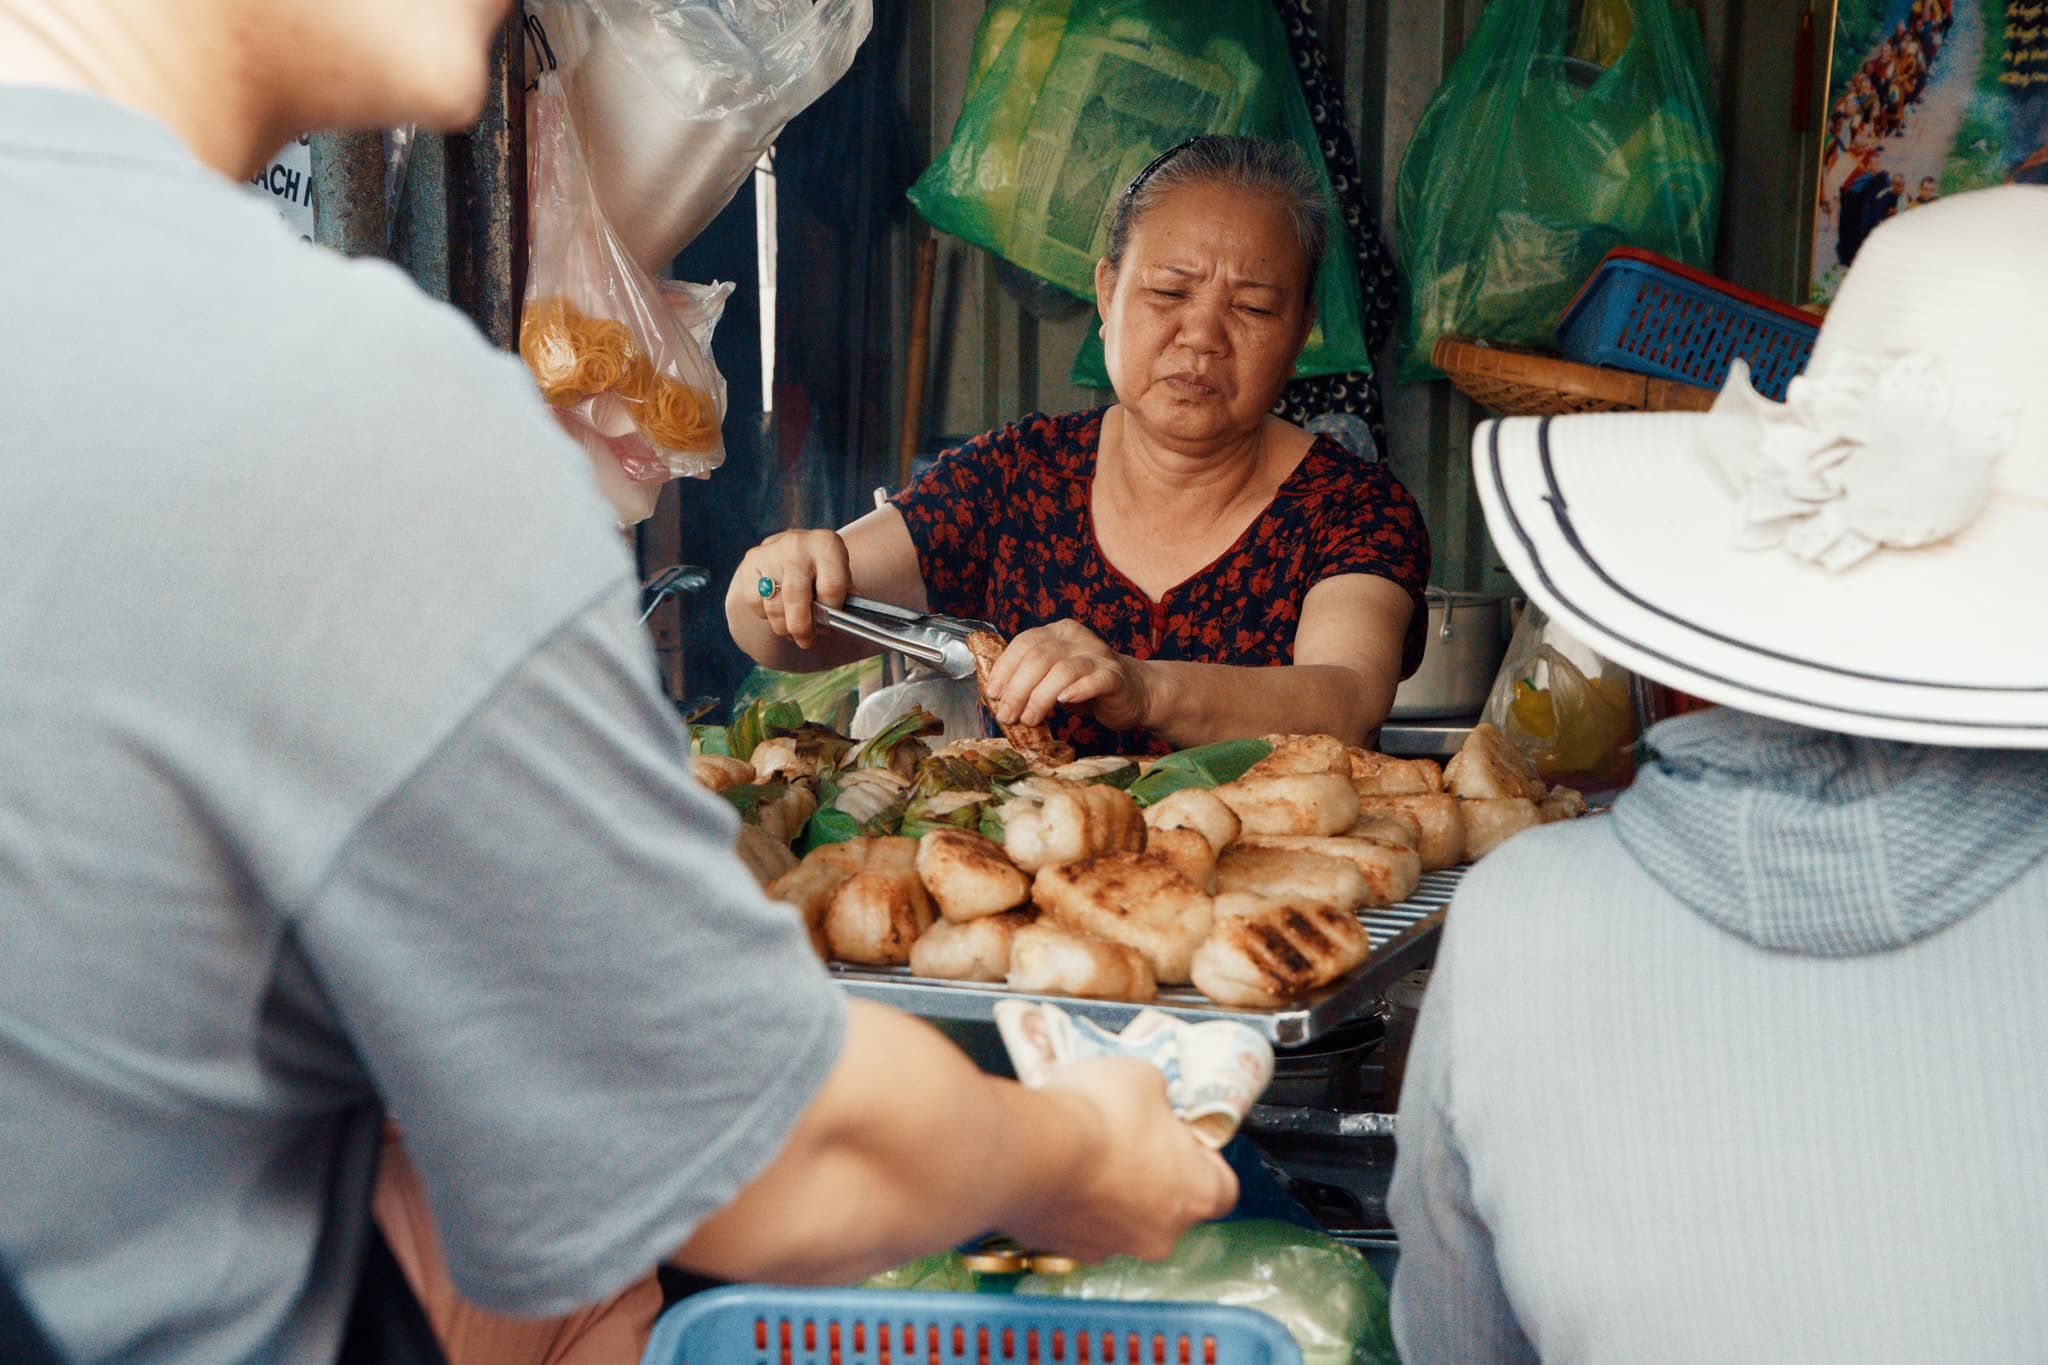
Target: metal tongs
(926, 637)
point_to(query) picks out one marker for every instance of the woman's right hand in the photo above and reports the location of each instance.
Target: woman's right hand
(800, 567)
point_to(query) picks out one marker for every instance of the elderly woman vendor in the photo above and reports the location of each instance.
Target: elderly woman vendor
(1180, 566)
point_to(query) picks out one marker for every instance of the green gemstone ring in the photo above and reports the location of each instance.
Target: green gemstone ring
(767, 587)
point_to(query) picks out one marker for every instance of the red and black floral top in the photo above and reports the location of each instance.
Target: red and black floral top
(1004, 534)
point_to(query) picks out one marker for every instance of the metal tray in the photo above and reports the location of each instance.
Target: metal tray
(1403, 938)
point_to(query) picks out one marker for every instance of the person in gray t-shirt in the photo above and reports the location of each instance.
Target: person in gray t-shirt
(337, 783)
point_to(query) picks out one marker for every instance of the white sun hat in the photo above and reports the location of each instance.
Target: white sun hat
(1871, 555)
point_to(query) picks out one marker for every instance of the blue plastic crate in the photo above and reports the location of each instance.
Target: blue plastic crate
(756, 1325)
(1644, 313)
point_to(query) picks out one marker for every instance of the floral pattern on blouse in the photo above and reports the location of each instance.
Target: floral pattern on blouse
(1004, 534)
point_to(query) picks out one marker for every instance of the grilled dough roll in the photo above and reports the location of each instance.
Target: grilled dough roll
(1035, 742)
(1436, 815)
(977, 950)
(1374, 774)
(968, 875)
(1262, 954)
(1300, 803)
(1136, 899)
(1390, 870)
(1070, 824)
(1046, 959)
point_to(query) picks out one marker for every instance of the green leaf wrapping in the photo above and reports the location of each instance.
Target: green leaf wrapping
(1210, 765)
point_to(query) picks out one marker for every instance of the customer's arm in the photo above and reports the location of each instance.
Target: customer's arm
(606, 1047)
(909, 1147)
(1449, 1305)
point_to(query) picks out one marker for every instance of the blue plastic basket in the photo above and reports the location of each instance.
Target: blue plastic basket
(1642, 312)
(755, 1325)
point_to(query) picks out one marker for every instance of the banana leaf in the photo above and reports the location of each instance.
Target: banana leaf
(749, 797)
(758, 721)
(1210, 765)
(830, 824)
(896, 745)
(927, 813)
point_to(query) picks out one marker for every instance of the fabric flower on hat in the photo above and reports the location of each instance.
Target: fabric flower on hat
(1871, 452)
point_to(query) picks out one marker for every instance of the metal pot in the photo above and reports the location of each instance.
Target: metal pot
(1467, 639)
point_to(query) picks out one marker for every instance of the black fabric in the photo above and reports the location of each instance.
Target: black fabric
(22, 1340)
(386, 1325)
(1378, 285)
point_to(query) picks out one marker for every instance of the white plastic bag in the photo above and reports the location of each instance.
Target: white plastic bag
(676, 100)
(625, 363)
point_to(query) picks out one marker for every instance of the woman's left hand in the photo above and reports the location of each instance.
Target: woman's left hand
(1067, 664)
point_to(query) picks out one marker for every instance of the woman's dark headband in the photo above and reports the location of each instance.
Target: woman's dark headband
(1138, 180)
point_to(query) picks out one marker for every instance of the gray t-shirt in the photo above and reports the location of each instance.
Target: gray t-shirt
(334, 780)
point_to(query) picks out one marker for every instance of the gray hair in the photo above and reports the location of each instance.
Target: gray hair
(1273, 170)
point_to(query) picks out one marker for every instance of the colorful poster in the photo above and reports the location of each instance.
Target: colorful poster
(1925, 98)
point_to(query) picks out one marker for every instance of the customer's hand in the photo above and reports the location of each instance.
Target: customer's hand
(1067, 664)
(798, 568)
(1151, 1182)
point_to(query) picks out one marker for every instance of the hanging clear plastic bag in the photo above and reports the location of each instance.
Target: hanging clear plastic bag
(1570, 710)
(677, 100)
(619, 359)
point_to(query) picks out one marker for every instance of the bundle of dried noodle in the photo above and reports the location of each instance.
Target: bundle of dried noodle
(678, 417)
(573, 355)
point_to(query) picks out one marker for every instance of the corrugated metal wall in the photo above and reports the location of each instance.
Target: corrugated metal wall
(993, 360)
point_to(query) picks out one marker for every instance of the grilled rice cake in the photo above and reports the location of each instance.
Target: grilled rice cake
(1197, 809)
(1048, 959)
(1189, 853)
(1035, 742)
(1295, 803)
(969, 875)
(809, 887)
(974, 950)
(1492, 822)
(1302, 754)
(1490, 766)
(1137, 899)
(1262, 954)
(877, 914)
(1298, 875)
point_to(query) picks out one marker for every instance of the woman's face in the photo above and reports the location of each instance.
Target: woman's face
(1202, 321)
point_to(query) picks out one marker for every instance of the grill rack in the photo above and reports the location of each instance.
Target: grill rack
(1403, 936)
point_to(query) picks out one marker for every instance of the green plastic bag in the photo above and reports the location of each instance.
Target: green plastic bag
(1529, 166)
(1323, 1292)
(1068, 99)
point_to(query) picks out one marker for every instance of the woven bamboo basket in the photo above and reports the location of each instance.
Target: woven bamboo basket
(1518, 384)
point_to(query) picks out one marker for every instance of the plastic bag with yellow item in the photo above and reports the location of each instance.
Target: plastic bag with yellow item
(619, 361)
(1567, 708)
